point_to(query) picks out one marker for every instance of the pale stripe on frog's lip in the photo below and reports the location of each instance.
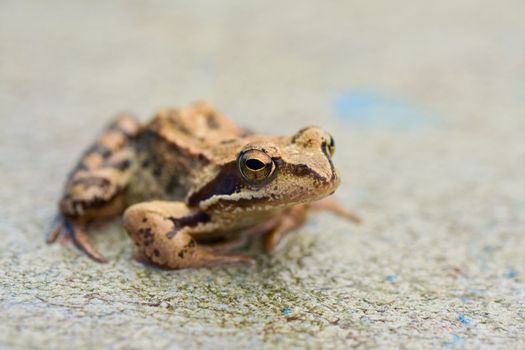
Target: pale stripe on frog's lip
(253, 203)
(235, 198)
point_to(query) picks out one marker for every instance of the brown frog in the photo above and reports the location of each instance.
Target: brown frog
(197, 186)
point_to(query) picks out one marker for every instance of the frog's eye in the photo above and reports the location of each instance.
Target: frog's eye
(255, 166)
(329, 145)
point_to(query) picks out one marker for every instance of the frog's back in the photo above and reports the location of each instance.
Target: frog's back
(196, 127)
(175, 144)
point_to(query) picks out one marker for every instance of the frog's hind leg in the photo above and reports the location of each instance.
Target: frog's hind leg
(162, 232)
(94, 189)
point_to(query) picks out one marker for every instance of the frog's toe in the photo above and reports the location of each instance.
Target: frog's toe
(56, 231)
(67, 230)
(79, 235)
(59, 231)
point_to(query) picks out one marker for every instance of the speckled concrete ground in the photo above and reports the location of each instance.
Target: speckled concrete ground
(425, 101)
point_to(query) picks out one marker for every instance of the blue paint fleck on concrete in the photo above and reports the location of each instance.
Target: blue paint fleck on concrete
(475, 292)
(370, 109)
(391, 278)
(463, 319)
(285, 311)
(455, 341)
(510, 274)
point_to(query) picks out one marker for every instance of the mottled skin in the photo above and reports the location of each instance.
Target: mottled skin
(196, 186)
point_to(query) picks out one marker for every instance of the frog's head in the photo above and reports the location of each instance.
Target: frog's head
(273, 172)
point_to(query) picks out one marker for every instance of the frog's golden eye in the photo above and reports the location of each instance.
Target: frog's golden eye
(255, 166)
(329, 145)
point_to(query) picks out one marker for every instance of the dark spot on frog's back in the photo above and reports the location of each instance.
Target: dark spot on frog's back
(91, 181)
(100, 149)
(155, 164)
(211, 120)
(80, 167)
(172, 185)
(157, 170)
(203, 158)
(120, 165)
(118, 127)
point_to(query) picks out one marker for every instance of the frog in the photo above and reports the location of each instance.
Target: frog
(191, 186)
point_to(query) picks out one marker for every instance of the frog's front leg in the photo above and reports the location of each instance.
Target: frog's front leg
(287, 221)
(330, 205)
(94, 189)
(295, 216)
(163, 233)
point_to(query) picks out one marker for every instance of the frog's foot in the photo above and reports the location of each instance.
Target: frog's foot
(77, 232)
(290, 219)
(162, 232)
(334, 207)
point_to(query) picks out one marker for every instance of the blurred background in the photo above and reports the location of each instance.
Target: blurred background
(425, 101)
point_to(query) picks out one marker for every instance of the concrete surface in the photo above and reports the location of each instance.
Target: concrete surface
(425, 100)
